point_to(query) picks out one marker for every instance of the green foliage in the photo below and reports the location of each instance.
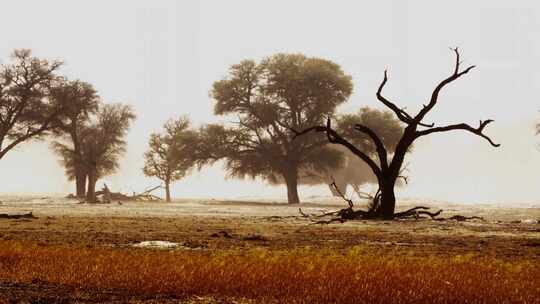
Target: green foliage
(169, 155)
(68, 158)
(26, 111)
(283, 92)
(80, 101)
(353, 171)
(383, 123)
(102, 141)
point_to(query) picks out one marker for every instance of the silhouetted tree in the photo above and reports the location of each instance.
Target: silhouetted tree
(101, 144)
(388, 171)
(383, 123)
(80, 101)
(26, 112)
(353, 171)
(169, 155)
(283, 91)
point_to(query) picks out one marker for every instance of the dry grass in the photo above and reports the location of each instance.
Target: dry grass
(300, 276)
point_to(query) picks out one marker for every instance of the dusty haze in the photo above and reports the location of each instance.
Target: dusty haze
(163, 56)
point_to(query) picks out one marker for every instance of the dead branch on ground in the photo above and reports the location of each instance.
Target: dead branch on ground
(107, 196)
(345, 214)
(28, 215)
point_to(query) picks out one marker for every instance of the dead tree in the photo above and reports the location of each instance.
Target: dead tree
(388, 171)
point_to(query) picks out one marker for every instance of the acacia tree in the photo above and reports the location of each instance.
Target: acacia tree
(80, 101)
(169, 155)
(26, 112)
(388, 171)
(102, 142)
(283, 91)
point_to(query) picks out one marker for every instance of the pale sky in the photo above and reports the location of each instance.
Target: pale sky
(163, 56)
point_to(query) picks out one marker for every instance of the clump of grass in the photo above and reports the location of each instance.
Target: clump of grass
(300, 276)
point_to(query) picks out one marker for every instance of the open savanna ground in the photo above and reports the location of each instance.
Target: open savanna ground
(226, 252)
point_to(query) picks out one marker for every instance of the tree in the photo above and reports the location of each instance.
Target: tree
(101, 144)
(168, 156)
(353, 171)
(388, 171)
(383, 123)
(283, 91)
(26, 112)
(80, 101)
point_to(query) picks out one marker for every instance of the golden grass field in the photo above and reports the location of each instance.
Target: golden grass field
(358, 275)
(238, 252)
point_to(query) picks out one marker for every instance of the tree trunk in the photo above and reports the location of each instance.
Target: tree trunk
(388, 200)
(167, 191)
(80, 172)
(91, 193)
(80, 182)
(291, 180)
(387, 182)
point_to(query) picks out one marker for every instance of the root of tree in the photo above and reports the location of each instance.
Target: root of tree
(372, 213)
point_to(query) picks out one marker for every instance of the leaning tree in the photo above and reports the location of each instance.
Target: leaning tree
(388, 171)
(26, 111)
(283, 91)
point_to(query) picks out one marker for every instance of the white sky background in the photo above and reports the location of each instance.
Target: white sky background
(163, 56)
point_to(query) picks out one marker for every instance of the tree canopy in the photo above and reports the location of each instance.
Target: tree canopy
(80, 100)
(26, 111)
(169, 156)
(353, 171)
(267, 99)
(387, 127)
(102, 142)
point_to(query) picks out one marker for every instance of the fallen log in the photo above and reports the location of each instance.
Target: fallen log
(107, 196)
(17, 216)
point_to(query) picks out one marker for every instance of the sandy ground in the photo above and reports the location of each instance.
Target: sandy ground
(60, 206)
(209, 224)
(507, 233)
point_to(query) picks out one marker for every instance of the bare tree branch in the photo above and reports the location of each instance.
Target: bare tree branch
(462, 126)
(29, 134)
(341, 194)
(400, 113)
(435, 95)
(383, 205)
(335, 138)
(381, 150)
(417, 211)
(361, 194)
